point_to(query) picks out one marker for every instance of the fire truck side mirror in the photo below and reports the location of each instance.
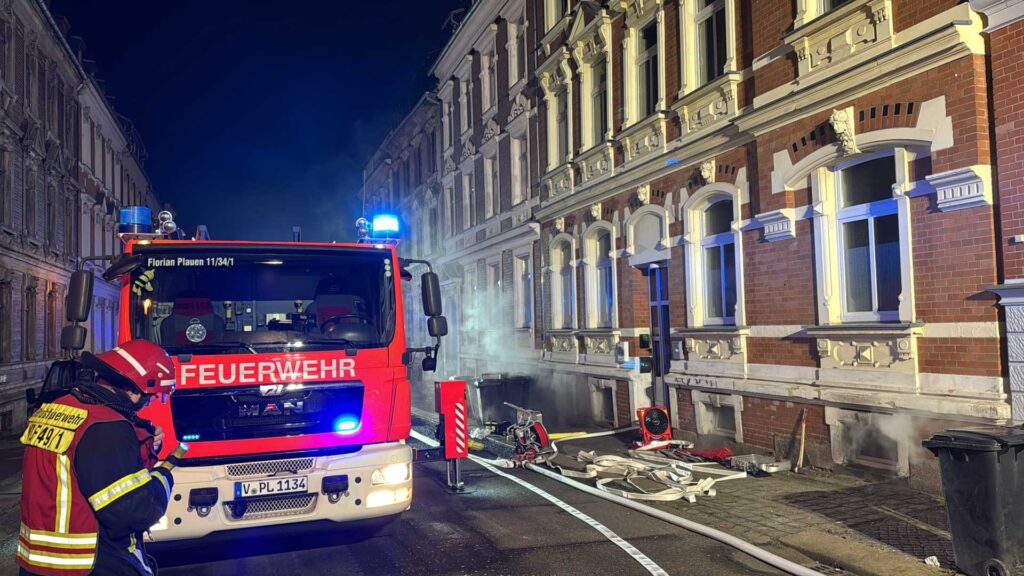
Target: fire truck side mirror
(431, 294)
(124, 264)
(437, 326)
(429, 364)
(79, 300)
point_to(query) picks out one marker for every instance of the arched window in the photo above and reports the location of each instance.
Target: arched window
(718, 249)
(600, 284)
(562, 296)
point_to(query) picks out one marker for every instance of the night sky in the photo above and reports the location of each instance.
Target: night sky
(259, 115)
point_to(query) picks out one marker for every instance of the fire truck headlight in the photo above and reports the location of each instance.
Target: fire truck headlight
(391, 474)
(387, 497)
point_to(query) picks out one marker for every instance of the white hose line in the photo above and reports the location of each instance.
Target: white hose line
(741, 545)
(628, 548)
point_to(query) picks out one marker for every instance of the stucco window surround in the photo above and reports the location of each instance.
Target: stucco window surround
(523, 272)
(468, 200)
(643, 134)
(445, 94)
(851, 431)
(464, 82)
(712, 409)
(554, 13)
(487, 48)
(833, 40)
(516, 47)
(600, 276)
(701, 206)
(703, 102)
(556, 80)
(592, 51)
(562, 269)
(647, 237)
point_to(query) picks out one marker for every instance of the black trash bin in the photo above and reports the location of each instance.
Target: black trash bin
(983, 480)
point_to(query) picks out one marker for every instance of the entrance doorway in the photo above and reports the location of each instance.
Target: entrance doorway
(661, 330)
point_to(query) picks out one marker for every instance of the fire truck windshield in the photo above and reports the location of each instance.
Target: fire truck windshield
(244, 301)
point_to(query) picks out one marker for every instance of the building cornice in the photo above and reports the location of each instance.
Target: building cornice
(481, 15)
(999, 13)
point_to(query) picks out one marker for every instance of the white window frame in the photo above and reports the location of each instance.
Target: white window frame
(652, 13)
(563, 127)
(594, 263)
(595, 136)
(869, 212)
(642, 60)
(563, 283)
(495, 307)
(491, 186)
(518, 151)
(720, 240)
(516, 49)
(822, 177)
(466, 105)
(807, 10)
(524, 290)
(693, 224)
(554, 11)
(468, 191)
(704, 15)
(690, 62)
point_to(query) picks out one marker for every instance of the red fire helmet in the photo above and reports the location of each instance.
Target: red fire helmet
(136, 364)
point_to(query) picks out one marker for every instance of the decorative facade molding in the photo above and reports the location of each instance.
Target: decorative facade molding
(595, 211)
(778, 224)
(962, 188)
(842, 123)
(707, 171)
(643, 194)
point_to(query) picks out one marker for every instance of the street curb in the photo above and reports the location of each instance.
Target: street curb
(853, 556)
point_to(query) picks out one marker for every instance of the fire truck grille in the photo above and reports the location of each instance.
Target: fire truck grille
(269, 467)
(274, 507)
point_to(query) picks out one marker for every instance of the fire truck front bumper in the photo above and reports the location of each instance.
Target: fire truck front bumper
(374, 482)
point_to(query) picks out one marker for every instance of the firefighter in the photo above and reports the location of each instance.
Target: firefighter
(91, 480)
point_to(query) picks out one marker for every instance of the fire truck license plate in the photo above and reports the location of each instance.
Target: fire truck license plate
(270, 486)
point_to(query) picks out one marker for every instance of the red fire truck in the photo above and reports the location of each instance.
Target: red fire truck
(292, 391)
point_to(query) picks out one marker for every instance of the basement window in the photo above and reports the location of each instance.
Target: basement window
(868, 446)
(723, 420)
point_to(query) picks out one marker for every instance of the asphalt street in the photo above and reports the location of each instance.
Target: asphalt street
(494, 527)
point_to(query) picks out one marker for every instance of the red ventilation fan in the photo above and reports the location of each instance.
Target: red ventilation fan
(654, 424)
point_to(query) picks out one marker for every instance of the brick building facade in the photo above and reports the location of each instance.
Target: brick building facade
(791, 206)
(51, 210)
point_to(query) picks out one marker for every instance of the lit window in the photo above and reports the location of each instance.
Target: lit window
(601, 281)
(719, 266)
(712, 40)
(869, 240)
(564, 300)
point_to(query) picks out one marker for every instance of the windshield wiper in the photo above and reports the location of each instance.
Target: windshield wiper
(217, 345)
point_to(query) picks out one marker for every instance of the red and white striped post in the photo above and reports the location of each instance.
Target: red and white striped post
(450, 403)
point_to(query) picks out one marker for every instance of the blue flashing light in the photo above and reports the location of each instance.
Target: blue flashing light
(385, 223)
(135, 220)
(190, 437)
(672, 161)
(346, 425)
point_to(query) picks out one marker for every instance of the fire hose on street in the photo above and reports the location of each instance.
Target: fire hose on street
(679, 482)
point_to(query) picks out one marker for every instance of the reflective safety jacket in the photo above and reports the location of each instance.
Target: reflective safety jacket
(88, 491)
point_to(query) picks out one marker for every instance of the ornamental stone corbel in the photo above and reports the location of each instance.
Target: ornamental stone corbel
(707, 171)
(595, 211)
(560, 224)
(842, 125)
(643, 194)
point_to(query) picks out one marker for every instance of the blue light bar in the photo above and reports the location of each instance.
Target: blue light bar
(346, 425)
(384, 223)
(135, 220)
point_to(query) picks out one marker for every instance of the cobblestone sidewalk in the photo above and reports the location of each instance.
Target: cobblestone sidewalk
(888, 516)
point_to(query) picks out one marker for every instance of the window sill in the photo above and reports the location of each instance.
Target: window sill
(725, 343)
(644, 137)
(597, 161)
(560, 180)
(868, 345)
(859, 26)
(710, 104)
